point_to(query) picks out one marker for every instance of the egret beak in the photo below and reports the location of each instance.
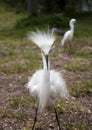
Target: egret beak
(46, 57)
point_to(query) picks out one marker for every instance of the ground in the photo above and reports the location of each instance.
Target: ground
(19, 59)
(17, 106)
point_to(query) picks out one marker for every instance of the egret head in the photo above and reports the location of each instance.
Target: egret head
(44, 40)
(72, 21)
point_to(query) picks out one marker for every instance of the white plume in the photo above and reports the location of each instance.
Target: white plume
(43, 39)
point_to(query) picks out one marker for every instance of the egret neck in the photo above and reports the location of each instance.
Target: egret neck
(45, 84)
(72, 27)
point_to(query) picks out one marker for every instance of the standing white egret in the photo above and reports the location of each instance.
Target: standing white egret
(45, 84)
(68, 36)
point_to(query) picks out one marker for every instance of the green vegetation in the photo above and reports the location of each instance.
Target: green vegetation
(78, 64)
(15, 102)
(17, 53)
(81, 88)
(59, 20)
(27, 126)
(20, 115)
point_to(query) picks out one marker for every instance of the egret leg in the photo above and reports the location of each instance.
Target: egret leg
(70, 47)
(35, 119)
(58, 122)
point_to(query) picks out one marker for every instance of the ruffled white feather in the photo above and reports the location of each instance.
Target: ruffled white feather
(57, 87)
(43, 39)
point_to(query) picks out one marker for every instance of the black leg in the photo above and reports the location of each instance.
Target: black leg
(35, 119)
(57, 119)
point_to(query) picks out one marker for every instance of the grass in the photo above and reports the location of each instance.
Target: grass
(81, 88)
(5, 113)
(27, 126)
(78, 127)
(17, 53)
(20, 115)
(78, 64)
(16, 56)
(15, 67)
(21, 101)
(15, 102)
(83, 27)
(85, 53)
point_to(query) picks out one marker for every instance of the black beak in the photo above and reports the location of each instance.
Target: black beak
(46, 57)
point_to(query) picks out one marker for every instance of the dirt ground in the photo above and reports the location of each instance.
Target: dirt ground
(17, 107)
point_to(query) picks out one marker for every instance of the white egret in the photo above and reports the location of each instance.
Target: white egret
(45, 84)
(68, 36)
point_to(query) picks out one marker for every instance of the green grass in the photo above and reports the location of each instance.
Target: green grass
(28, 126)
(83, 27)
(85, 53)
(81, 88)
(15, 102)
(20, 115)
(78, 64)
(18, 55)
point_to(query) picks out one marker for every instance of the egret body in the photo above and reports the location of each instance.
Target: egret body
(46, 84)
(68, 36)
